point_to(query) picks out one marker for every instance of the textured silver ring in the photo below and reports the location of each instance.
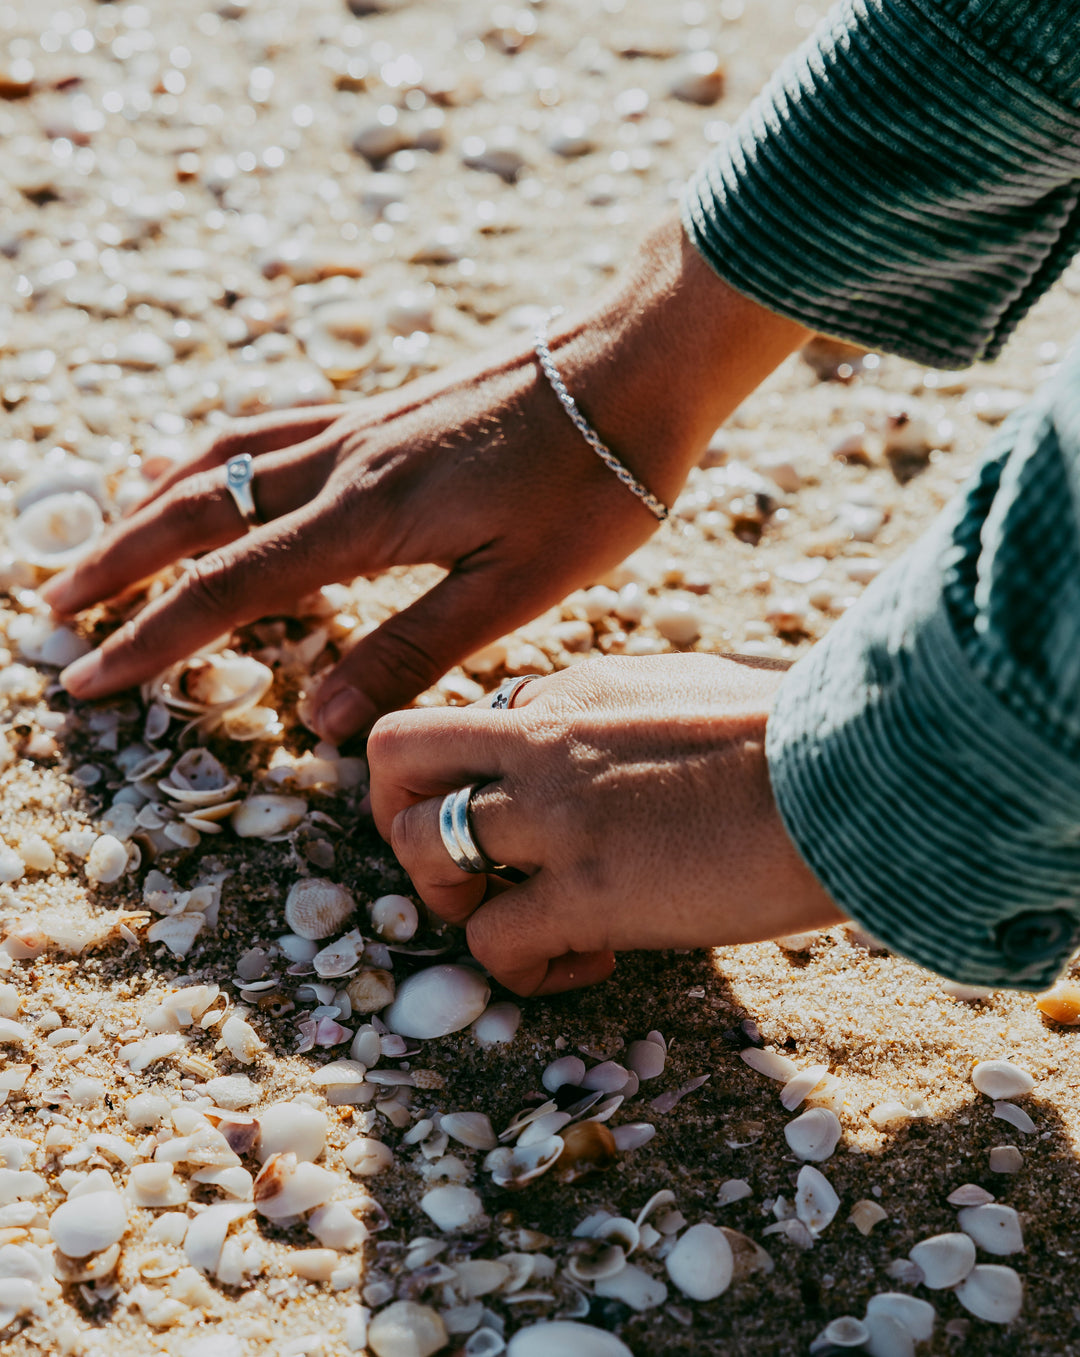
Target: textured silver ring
(456, 833)
(503, 697)
(239, 475)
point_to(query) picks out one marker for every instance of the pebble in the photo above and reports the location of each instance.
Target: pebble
(88, 1224)
(1006, 1159)
(407, 1329)
(1001, 1079)
(646, 1059)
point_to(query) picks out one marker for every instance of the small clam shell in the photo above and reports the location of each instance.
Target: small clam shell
(198, 779)
(944, 1259)
(287, 1188)
(453, 1207)
(437, 1001)
(497, 1025)
(340, 957)
(266, 816)
(407, 1329)
(567, 1339)
(845, 1332)
(970, 1194)
(769, 1063)
(915, 1314)
(57, 531)
(317, 908)
(292, 1128)
(865, 1214)
(701, 1264)
(213, 683)
(339, 1073)
(1001, 1079)
(596, 1259)
(521, 1166)
(588, 1147)
(816, 1202)
(88, 1224)
(993, 1228)
(568, 1069)
(991, 1292)
(813, 1135)
(469, 1128)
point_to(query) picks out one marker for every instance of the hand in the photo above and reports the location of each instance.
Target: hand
(478, 470)
(635, 795)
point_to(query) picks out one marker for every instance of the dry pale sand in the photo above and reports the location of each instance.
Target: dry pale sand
(130, 208)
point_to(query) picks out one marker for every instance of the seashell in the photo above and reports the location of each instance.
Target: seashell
(844, 1332)
(314, 1265)
(1061, 1004)
(251, 723)
(916, 1315)
(993, 1228)
(292, 1128)
(88, 1224)
(800, 1085)
(588, 1147)
(520, 1166)
(469, 1128)
(608, 1077)
(748, 1256)
(317, 908)
(595, 1260)
(241, 1040)
(234, 1181)
(340, 338)
(1006, 1159)
(365, 1157)
(205, 1236)
(955, 990)
(437, 1001)
(568, 1069)
(991, 1292)
(813, 1135)
(178, 932)
(155, 1185)
(646, 1059)
(56, 531)
(497, 1025)
(539, 1129)
(865, 1214)
(371, 990)
(286, 1188)
(337, 1225)
(1015, 1116)
(232, 1091)
(770, 1063)
(632, 1135)
(394, 918)
(969, 1194)
(453, 1207)
(567, 1339)
(267, 816)
(339, 957)
(198, 779)
(1001, 1079)
(701, 1264)
(212, 684)
(107, 861)
(816, 1202)
(944, 1259)
(407, 1329)
(339, 1073)
(100, 1266)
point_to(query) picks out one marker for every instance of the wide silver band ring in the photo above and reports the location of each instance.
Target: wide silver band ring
(239, 475)
(502, 699)
(456, 833)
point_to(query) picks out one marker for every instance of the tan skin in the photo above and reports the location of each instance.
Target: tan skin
(479, 470)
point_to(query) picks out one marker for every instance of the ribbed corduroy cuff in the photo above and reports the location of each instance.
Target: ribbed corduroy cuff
(929, 812)
(900, 182)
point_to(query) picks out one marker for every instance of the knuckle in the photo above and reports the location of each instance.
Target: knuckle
(395, 663)
(385, 739)
(212, 588)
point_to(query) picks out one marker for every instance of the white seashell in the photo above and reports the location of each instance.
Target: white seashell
(241, 1040)
(497, 1025)
(316, 908)
(915, 1314)
(944, 1259)
(198, 779)
(234, 1182)
(969, 1194)
(140, 1055)
(1006, 1159)
(814, 1135)
(205, 1236)
(865, 1214)
(770, 1063)
(338, 1073)
(337, 1226)
(371, 990)
(633, 1135)
(733, 1190)
(955, 990)
(816, 1202)
(394, 918)
(88, 1223)
(888, 1114)
(701, 1264)
(1015, 1116)
(437, 1001)
(469, 1128)
(286, 1188)
(568, 1069)
(1001, 1079)
(232, 1091)
(566, 1339)
(993, 1228)
(634, 1287)
(366, 1157)
(844, 1332)
(155, 1185)
(887, 1337)
(453, 1207)
(267, 816)
(212, 684)
(57, 531)
(800, 1085)
(107, 861)
(991, 1292)
(607, 1077)
(178, 932)
(646, 1059)
(340, 957)
(677, 618)
(407, 1329)
(292, 1128)
(521, 1165)
(595, 1261)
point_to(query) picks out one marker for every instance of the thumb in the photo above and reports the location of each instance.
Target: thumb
(389, 666)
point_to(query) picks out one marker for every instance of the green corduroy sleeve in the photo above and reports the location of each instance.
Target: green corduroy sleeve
(925, 756)
(909, 179)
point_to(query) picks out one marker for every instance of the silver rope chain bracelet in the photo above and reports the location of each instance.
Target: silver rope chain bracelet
(551, 372)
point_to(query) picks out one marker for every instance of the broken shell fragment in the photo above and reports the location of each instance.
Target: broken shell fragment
(588, 1147)
(865, 1214)
(944, 1259)
(366, 1157)
(469, 1128)
(371, 990)
(1061, 1004)
(286, 1188)
(520, 1166)
(701, 1264)
(991, 1292)
(813, 1135)
(437, 1001)
(340, 957)
(316, 908)
(1001, 1079)
(769, 1063)
(800, 1085)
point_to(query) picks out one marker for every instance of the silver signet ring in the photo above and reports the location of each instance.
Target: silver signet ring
(239, 476)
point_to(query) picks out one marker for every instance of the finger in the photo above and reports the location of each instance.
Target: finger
(415, 647)
(522, 939)
(197, 515)
(416, 838)
(236, 584)
(263, 433)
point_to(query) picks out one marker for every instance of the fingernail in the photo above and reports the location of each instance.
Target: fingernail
(53, 591)
(82, 678)
(342, 715)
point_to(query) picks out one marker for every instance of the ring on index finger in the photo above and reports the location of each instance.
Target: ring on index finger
(239, 477)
